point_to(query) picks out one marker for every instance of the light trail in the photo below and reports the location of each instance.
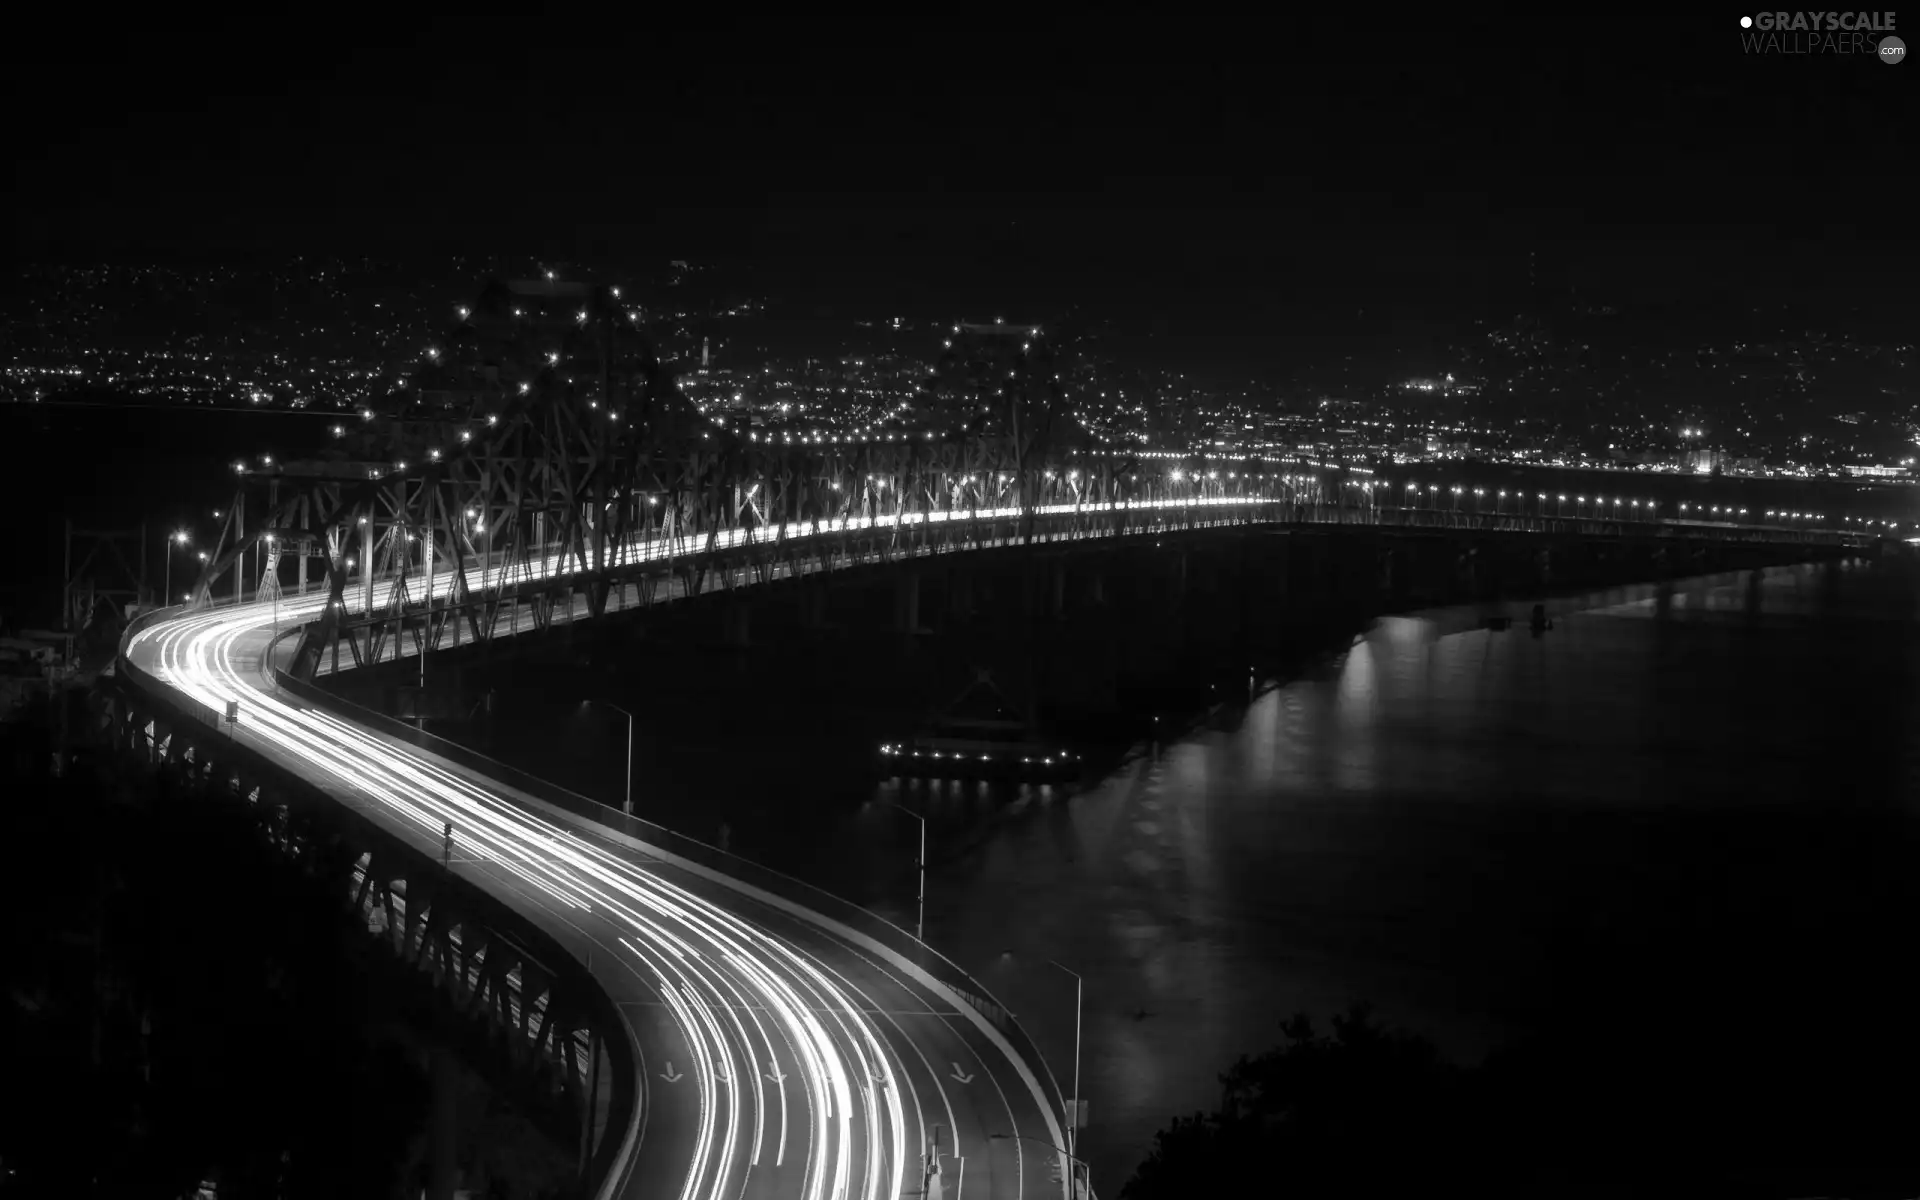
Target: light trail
(705, 962)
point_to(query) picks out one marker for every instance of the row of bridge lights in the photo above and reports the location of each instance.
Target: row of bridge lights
(1063, 756)
(1600, 502)
(1541, 498)
(1178, 476)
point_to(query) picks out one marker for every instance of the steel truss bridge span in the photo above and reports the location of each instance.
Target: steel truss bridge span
(400, 616)
(397, 617)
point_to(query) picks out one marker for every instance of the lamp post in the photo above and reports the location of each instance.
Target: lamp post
(274, 558)
(1086, 1172)
(426, 628)
(627, 807)
(179, 538)
(920, 925)
(1073, 1111)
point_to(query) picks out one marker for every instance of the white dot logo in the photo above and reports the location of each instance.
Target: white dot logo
(1746, 22)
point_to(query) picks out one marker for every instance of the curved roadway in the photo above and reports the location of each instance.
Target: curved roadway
(783, 1055)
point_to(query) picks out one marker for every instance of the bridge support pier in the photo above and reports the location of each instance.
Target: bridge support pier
(1057, 580)
(813, 607)
(737, 626)
(960, 596)
(444, 1174)
(906, 603)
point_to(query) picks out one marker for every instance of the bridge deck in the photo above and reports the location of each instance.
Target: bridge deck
(649, 573)
(778, 1044)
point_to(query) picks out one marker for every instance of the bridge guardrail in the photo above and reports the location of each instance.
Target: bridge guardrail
(825, 903)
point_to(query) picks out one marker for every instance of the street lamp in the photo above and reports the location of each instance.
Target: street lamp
(628, 807)
(1073, 1112)
(275, 560)
(1086, 1172)
(920, 925)
(179, 538)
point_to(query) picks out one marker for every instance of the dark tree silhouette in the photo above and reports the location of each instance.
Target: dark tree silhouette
(1359, 1112)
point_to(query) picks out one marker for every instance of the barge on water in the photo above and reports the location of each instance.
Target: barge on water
(979, 736)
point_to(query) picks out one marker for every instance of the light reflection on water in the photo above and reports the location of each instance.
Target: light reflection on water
(1413, 826)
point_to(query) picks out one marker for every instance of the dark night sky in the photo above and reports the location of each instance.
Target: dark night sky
(1341, 184)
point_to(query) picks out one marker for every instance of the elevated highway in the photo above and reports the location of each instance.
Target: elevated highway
(787, 1047)
(786, 1044)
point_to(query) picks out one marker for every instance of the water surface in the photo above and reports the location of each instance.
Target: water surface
(1431, 822)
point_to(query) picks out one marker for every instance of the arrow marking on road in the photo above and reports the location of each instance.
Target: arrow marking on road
(959, 1076)
(775, 1074)
(671, 1075)
(722, 1076)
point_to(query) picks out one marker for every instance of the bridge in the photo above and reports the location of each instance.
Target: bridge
(698, 1025)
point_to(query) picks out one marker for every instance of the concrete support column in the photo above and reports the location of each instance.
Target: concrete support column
(306, 551)
(1058, 580)
(1097, 588)
(906, 602)
(444, 1166)
(737, 626)
(813, 607)
(960, 595)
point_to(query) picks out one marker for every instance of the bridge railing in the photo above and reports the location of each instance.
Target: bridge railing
(765, 879)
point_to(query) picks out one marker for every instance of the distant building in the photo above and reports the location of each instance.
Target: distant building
(1870, 472)
(1704, 462)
